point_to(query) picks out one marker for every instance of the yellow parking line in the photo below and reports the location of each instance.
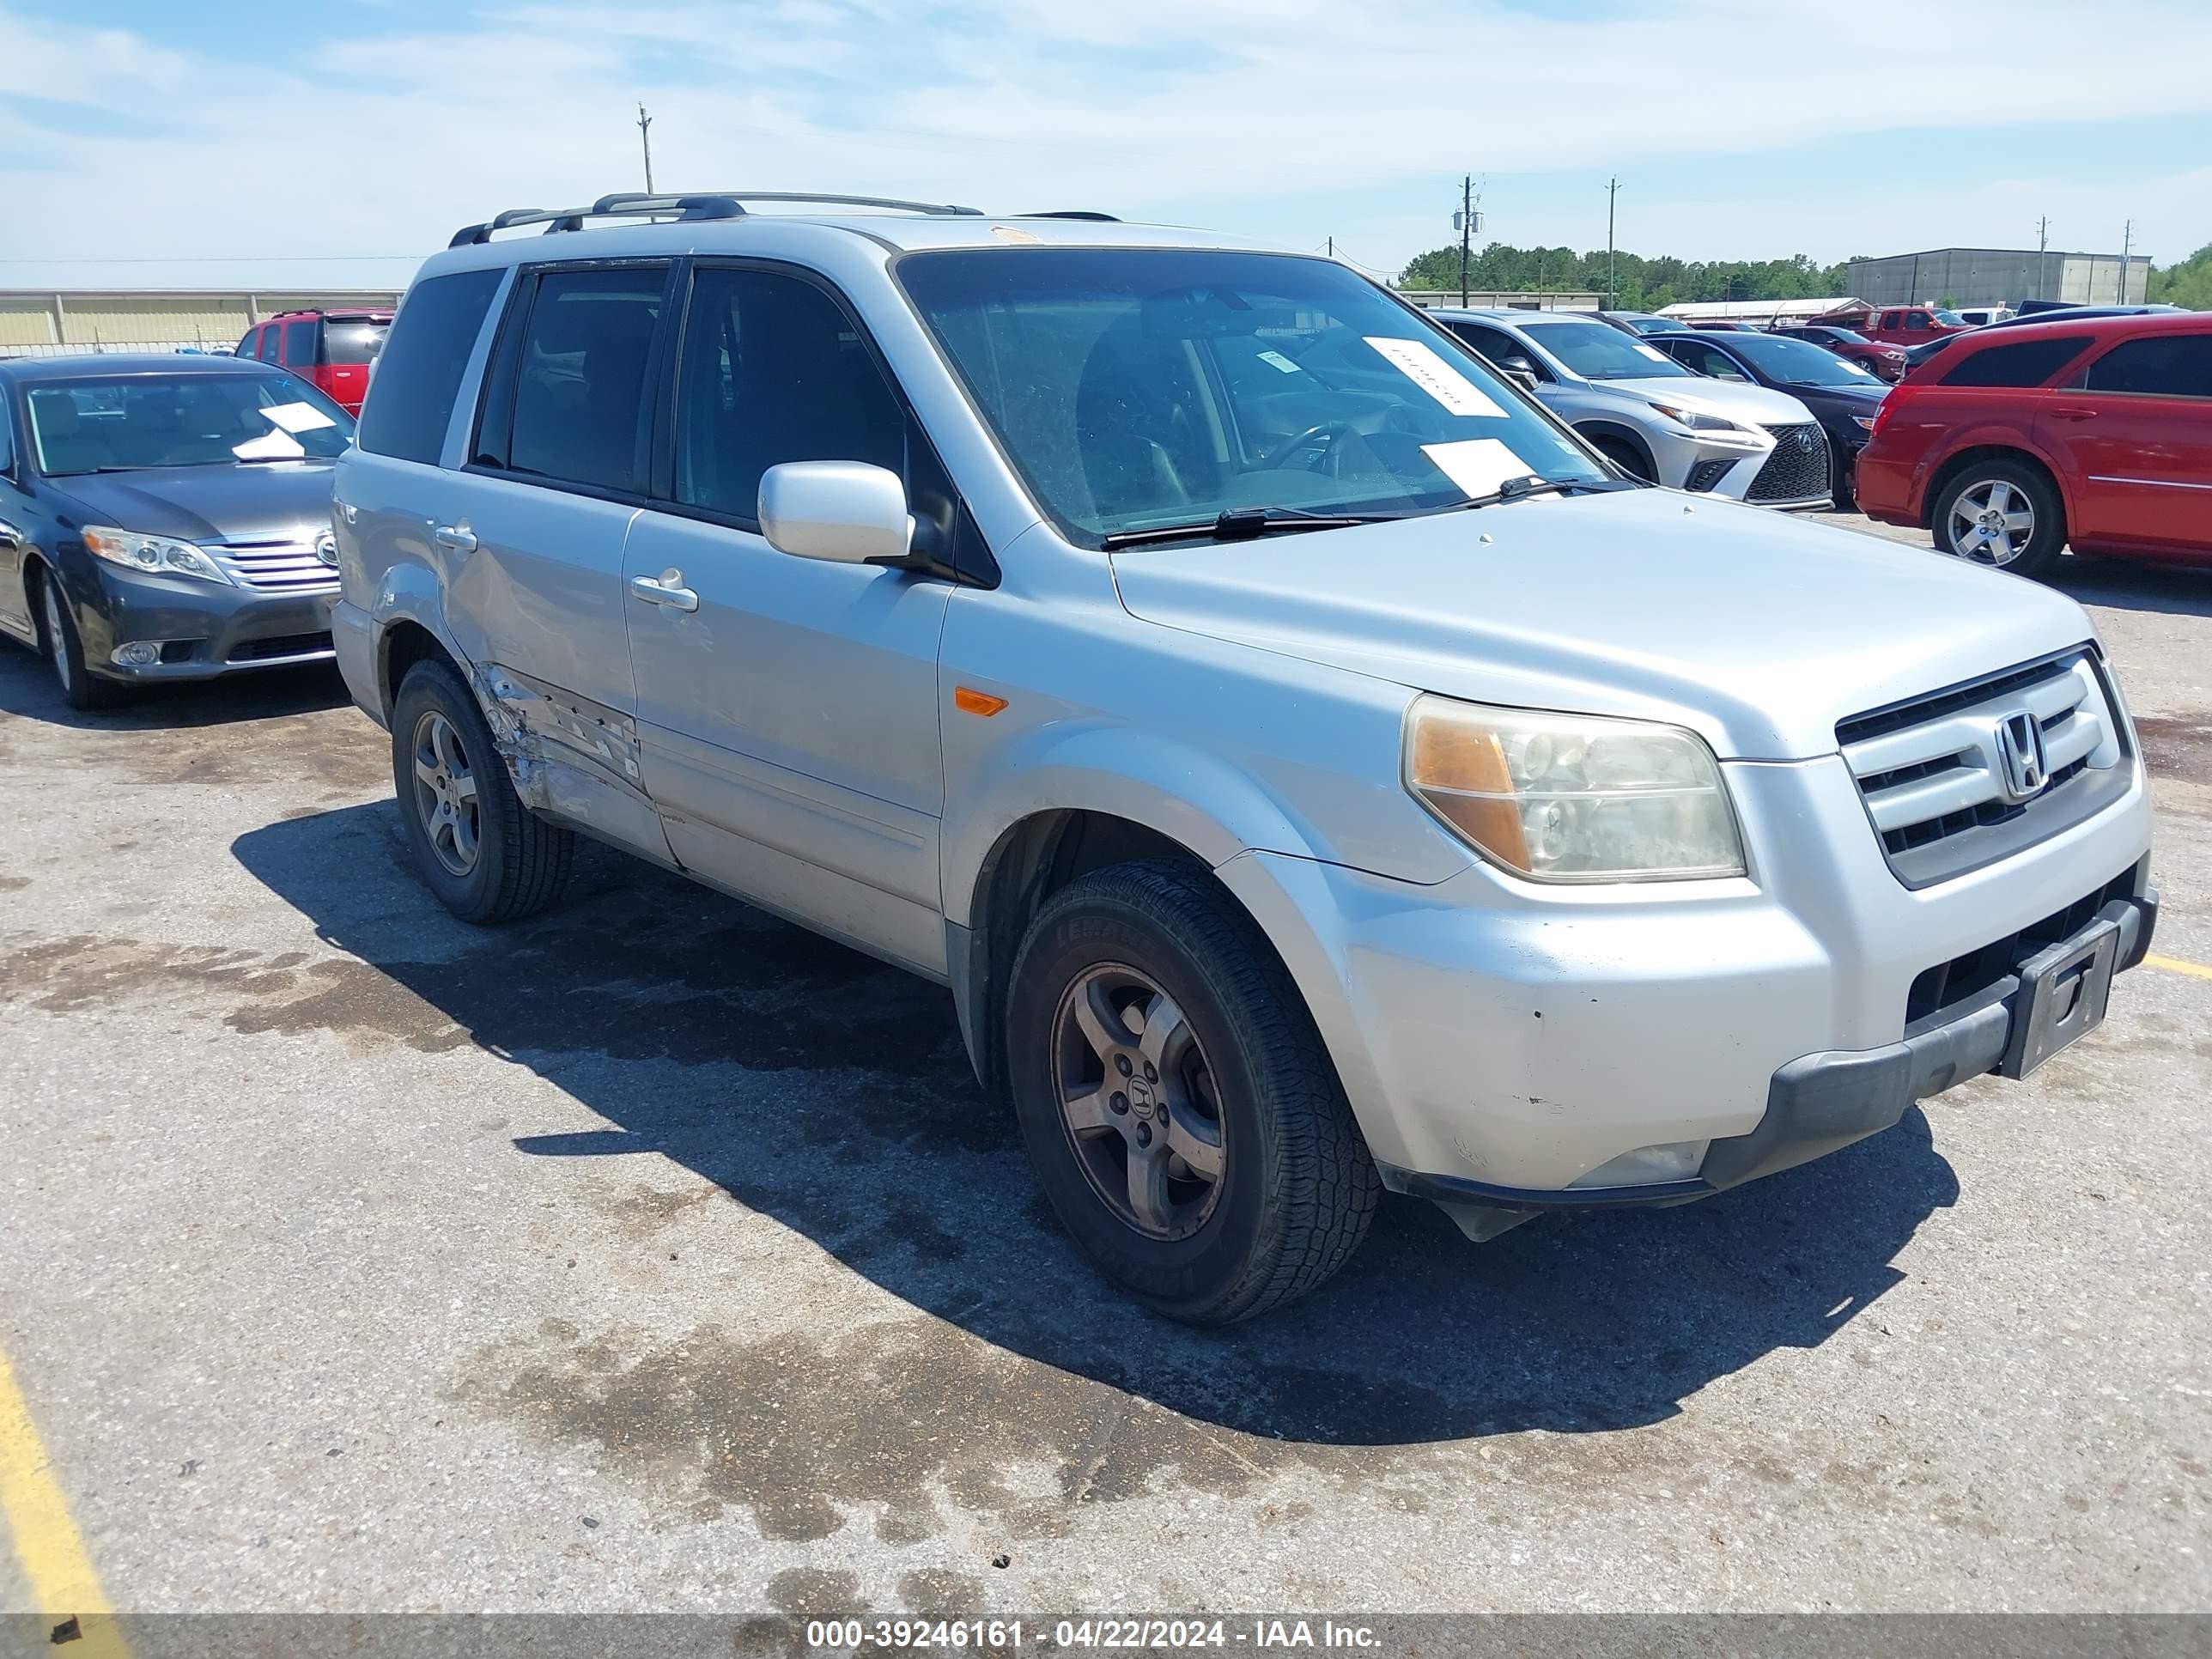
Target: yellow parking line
(63, 1584)
(2176, 965)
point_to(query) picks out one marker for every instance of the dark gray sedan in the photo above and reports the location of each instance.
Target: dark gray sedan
(165, 518)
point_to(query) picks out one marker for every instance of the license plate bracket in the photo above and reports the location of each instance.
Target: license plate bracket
(2063, 989)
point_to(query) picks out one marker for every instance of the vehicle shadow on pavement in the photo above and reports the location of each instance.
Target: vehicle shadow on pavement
(2124, 584)
(819, 1087)
(27, 688)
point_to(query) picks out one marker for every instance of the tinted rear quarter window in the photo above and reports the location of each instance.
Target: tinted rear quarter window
(300, 343)
(2024, 363)
(2164, 366)
(418, 374)
(352, 342)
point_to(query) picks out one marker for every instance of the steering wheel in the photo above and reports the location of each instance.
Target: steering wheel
(1322, 434)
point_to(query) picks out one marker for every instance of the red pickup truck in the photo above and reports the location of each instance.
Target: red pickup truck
(1907, 326)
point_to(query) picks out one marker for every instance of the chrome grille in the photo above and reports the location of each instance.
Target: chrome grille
(1797, 469)
(285, 566)
(1964, 776)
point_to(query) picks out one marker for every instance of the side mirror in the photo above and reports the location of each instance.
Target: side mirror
(844, 512)
(1521, 371)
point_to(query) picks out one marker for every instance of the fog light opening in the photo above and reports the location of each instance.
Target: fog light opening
(1672, 1160)
(138, 654)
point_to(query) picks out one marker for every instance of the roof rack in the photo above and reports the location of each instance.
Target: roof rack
(1090, 215)
(703, 204)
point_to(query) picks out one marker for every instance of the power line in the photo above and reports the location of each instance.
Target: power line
(222, 259)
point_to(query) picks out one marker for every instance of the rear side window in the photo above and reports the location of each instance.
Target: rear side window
(2162, 366)
(267, 349)
(347, 343)
(773, 370)
(419, 375)
(300, 343)
(2026, 363)
(579, 385)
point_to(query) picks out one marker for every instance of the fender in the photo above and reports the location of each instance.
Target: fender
(411, 592)
(1994, 435)
(1186, 794)
(1599, 427)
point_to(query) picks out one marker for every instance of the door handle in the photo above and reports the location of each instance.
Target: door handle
(458, 536)
(2073, 413)
(667, 588)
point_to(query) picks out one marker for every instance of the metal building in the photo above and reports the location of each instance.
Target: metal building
(1998, 276)
(55, 322)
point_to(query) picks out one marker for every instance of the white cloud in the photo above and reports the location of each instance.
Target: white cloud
(1232, 113)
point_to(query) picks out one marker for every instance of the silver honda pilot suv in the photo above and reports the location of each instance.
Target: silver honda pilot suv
(1312, 768)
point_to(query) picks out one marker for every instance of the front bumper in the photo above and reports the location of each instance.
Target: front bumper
(1502, 1041)
(205, 629)
(1820, 1103)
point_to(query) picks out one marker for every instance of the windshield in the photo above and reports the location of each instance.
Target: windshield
(120, 422)
(1798, 362)
(1950, 318)
(1598, 353)
(1843, 335)
(1141, 388)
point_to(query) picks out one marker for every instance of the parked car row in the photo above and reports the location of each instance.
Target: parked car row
(1314, 758)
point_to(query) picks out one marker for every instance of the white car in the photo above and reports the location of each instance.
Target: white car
(1649, 415)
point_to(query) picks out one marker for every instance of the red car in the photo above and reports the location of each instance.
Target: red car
(2022, 441)
(331, 350)
(1885, 361)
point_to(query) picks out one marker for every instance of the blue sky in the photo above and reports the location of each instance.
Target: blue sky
(167, 145)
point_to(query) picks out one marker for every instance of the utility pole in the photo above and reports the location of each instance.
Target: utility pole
(1466, 231)
(1332, 248)
(645, 137)
(2042, 263)
(2127, 241)
(1612, 189)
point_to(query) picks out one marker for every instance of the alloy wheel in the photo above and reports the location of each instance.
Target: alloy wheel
(1991, 522)
(1139, 1102)
(446, 793)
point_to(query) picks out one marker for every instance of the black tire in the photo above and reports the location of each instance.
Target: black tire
(1625, 456)
(1297, 1187)
(2039, 558)
(64, 649)
(520, 862)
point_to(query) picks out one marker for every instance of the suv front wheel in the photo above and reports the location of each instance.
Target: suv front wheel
(2003, 515)
(484, 855)
(1175, 1101)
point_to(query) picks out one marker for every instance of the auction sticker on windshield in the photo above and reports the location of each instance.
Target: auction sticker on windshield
(1478, 466)
(1421, 365)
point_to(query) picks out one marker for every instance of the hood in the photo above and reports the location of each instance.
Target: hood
(1859, 399)
(1758, 631)
(268, 501)
(1750, 405)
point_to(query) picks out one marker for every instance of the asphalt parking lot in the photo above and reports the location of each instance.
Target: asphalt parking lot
(653, 1254)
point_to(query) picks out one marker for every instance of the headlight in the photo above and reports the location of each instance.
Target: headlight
(1697, 420)
(160, 555)
(1573, 797)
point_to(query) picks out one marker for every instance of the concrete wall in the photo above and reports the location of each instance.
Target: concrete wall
(49, 322)
(1429, 299)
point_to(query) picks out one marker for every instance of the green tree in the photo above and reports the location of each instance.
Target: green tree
(2189, 284)
(1640, 283)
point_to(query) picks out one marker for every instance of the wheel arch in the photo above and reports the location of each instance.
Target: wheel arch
(1616, 432)
(1969, 454)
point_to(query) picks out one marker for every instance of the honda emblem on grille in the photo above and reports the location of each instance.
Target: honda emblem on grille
(2020, 750)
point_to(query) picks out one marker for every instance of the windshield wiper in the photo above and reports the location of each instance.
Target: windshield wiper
(1518, 489)
(1244, 524)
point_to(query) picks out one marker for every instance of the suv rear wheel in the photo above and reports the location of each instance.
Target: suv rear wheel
(2003, 514)
(484, 855)
(1175, 1101)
